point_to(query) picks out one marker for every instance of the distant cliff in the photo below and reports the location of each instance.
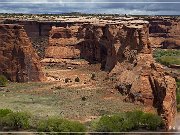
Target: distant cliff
(165, 32)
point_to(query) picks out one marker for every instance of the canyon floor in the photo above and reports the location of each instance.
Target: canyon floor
(82, 101)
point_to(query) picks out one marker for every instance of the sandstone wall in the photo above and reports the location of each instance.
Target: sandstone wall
(141, 78)
(165, 32)
(33, 28)
(62, 43)
(38, 33)
(124, 50)
(19, 62)
(92, 47)
(87, 41)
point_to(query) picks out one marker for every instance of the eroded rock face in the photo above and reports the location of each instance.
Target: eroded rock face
(100, 43)
(141, 78)
(72, 42)
(18, 60)
(91, 45)
(62, 41)
(171, 43)
(125, 51)
(165, 32)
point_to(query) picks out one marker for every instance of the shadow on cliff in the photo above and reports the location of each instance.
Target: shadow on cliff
(93, 48)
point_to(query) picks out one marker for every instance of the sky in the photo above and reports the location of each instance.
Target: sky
(136, 7)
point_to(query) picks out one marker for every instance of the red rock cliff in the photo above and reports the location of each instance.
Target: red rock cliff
(18, 60)
(62, 43)
(165, 32)
(125, 51)
(141, 78)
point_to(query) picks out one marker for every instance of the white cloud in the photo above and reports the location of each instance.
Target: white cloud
(60, 7)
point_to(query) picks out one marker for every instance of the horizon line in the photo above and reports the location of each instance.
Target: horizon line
(91, 2)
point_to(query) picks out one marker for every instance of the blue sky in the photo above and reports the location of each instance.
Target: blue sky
(149, 7)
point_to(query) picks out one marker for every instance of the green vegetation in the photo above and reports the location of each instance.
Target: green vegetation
(127, 122)
(39, 98)
(151, 121)
(167, 57)
(55, 124)
(17, 120)
(3, 81)
(4, 112)
(14, 120)
(10, 120)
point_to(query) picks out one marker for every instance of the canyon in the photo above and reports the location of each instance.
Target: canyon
(122, 46)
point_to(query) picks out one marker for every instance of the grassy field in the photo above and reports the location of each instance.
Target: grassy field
(167, 57)
(75, 100)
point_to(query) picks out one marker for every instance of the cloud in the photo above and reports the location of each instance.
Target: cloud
(92, 7)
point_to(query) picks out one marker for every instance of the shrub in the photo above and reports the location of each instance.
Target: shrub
(151, 121)
(127, 122)
(60, 125)
(3, 81)
(135, 118)
(17, 120)
(109, 124)
(115, 123)
(14, 120)
(77, 79)
(4, 112)
(73, 126)
(49, 125)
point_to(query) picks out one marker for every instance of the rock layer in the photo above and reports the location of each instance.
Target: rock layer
(164, 32)
(122, 48)
(125, 51)
(141, 78)
(19, 62)
(62, 43)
